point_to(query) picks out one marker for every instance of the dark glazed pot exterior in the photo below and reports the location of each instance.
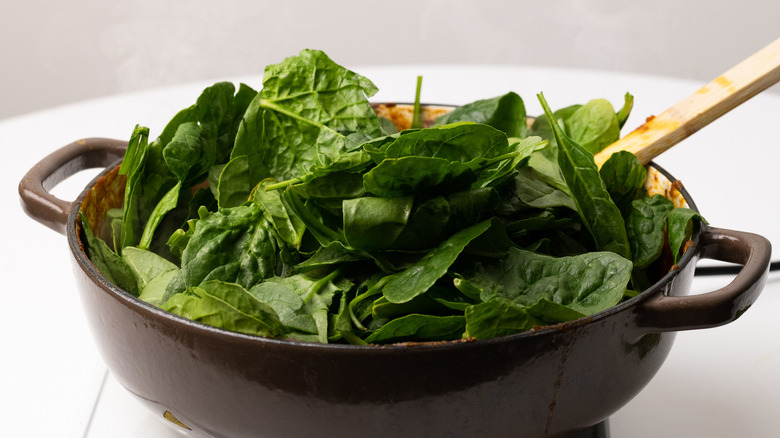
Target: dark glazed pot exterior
(549, 382)
(225, 384)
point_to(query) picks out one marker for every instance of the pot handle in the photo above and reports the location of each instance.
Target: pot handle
(663, 313)
(88, 153)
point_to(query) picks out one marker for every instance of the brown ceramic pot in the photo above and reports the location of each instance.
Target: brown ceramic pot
(556, 381)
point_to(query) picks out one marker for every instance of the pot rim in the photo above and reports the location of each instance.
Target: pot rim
(73, 232)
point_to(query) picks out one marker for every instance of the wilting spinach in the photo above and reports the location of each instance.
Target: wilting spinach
(295, 212)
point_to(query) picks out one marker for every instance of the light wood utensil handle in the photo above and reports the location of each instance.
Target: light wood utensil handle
(740, 83)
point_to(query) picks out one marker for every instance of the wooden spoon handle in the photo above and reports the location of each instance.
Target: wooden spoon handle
(740, 83)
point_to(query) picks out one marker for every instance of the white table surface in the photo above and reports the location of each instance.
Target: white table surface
(722, 382)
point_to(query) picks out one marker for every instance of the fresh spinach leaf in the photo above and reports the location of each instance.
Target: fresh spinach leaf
(228, 306)
(586, 283)
(594, 125)
(289, 226)
(180, 238)
(233, 187)
(331, 255)
(624, 177)
(505, 113)
(133, 168)
(333, 185)
(419, 277)
(444, 159)
(625, 110)
(551, 312)
(303, 116)
(419, 328)
(439, 301)
(425, 225)
(396, 177)
(599, 214)
(541, 221)
(311, 219)
(108, 263)
(458, 142)
(533, 191)
(522, 150)
(301, 302)
(541, 125)
(373, 224)
(154, 291)
(682, 224)
(497, 317)
(146, 265)
(233, 245)
(645, 228)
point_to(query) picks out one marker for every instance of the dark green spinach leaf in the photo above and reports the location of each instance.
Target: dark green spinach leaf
(303, 117)
(645, 226)
(682, 223)
(599, 214)
(505, 113)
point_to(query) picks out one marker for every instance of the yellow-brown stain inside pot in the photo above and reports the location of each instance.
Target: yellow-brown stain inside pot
(107, 193)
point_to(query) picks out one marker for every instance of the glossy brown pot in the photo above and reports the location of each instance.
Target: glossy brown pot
(556, 381)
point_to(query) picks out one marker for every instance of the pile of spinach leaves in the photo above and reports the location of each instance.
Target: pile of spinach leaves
(295, 212)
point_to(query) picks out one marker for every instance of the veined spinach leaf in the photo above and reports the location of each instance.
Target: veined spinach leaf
(228, 306)
(427, 222)
(497, 317)
(303, 117)
(191, 143)
(396, 177)
(624, 177)
(522, 149)
(333, 185)
(505, 113)
(594, 125)
(599, 214)
(146, 265)
(586, 283)
(533, 191)
(458, 142)
(445, 159)
(289, 226)
(645, 228)
(551, 312)
(233, 245)
(419, 277)
(154, 291)
(419, 328)
(111, 265)
(301, 302)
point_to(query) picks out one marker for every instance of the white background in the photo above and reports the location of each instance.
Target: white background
(54, 52)
(717, 383)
